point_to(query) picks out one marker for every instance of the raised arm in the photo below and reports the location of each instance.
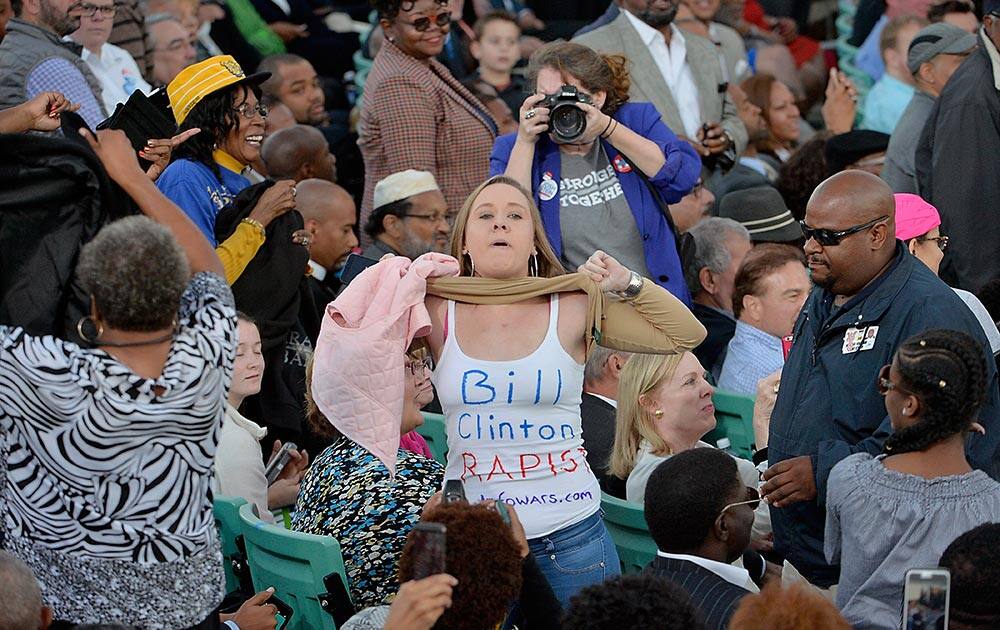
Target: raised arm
(652, 322)
(119, 160)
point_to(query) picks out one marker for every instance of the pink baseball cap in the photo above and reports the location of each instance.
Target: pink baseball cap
(914, 216)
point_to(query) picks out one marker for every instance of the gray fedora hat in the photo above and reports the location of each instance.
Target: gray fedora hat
(763, 212)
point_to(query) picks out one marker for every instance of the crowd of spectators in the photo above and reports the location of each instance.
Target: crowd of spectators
(255, 248)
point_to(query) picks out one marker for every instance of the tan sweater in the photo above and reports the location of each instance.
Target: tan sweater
(655, 322)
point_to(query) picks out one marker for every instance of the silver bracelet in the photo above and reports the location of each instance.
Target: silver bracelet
(634, 287)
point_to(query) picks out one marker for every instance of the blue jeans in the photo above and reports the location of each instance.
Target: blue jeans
(576, 556)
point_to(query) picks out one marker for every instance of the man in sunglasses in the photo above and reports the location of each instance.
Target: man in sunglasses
(870, 295)
(700, 513)
(956, 160)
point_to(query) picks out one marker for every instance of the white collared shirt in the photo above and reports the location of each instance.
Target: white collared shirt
(673, 65)
(728, 572)
(613, 403)
(117, 72)
(318, 271)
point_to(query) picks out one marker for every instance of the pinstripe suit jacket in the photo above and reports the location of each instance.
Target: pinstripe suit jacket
(716, 598)
(418, 116)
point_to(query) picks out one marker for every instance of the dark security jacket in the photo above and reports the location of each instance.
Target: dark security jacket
(829, 406)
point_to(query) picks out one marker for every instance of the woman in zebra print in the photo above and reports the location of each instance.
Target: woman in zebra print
(106, 451)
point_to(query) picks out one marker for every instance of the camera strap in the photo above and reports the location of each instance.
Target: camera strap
(686, 247)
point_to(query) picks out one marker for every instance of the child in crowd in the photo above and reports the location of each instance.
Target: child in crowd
(497, 48)
(895, 512)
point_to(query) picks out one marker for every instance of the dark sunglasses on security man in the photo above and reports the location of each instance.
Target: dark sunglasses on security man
(421, 24)
(830, 238)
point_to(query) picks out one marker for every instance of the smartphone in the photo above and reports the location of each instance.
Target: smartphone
(279, 461)
(428, 540)
(454, 491)
(786, 346)
(502, 510)
(284, 611)
(355, 265)
(926, 598)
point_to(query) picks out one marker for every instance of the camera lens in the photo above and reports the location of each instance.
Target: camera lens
(568, 122)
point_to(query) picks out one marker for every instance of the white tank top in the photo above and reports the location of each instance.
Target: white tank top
(514, 430)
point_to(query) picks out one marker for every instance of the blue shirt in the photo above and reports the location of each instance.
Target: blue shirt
(56, 74)
(752, 355)
(885, 104)
(869, 57)
(193, 187)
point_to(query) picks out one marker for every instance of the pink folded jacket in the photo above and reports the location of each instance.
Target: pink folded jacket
(357, 380)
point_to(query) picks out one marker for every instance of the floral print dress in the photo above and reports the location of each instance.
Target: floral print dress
(347, 493)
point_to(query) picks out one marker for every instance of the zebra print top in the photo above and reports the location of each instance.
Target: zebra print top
(104, 483)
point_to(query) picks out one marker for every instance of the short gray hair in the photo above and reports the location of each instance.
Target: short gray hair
(136, 272)
(710, 237)
(594, 369)
(22, 602)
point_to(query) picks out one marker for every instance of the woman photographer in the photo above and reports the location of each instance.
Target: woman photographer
(607, 188)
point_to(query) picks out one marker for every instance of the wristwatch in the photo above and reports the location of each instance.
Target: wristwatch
(634, 287)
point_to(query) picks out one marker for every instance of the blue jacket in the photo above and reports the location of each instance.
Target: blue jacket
(677, 177)
(829, 407)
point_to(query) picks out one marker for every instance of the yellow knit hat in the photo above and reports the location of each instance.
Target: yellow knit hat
(203, 78)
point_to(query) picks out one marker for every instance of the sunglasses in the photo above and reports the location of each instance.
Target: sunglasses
(830, 238)
(885, 385)
(753, 500)
(421, 24)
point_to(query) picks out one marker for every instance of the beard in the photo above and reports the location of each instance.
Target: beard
(413, 247)
(62, 23)
(658, 19)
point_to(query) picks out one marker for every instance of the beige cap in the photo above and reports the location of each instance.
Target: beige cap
(401, 185)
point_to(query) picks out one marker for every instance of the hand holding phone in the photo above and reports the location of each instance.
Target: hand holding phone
(428, 541)
(278, 462)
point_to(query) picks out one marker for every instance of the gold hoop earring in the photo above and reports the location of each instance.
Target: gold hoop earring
(98, 328)
(533, 266)
(472, 264)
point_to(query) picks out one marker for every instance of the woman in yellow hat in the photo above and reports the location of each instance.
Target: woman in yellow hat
(206, 173)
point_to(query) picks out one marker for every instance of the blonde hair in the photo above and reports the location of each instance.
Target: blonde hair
(548, 263)
(634, 423)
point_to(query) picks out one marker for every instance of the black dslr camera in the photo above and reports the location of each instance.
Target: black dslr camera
(567, 122)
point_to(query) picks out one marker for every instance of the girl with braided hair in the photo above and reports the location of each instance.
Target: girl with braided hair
(899, 510)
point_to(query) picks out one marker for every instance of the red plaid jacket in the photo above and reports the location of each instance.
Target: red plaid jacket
(419, 116)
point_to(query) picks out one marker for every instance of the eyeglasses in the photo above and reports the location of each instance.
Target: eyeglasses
(942, 241)
(422, 24)
(430, 218)
(419, 366)
(830, 238)
(247, 112)
(885, 385)
(753, 502)
(90, 10)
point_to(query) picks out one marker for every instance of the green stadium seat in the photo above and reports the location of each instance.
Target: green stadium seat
(734, 420)
(436, 435)
(306, 571)
(226, 511)
(627, 526)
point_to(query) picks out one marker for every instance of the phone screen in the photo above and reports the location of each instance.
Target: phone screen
(428, 540)
(926, 599)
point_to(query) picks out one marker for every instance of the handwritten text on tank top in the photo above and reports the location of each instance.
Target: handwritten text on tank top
(494, 394)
